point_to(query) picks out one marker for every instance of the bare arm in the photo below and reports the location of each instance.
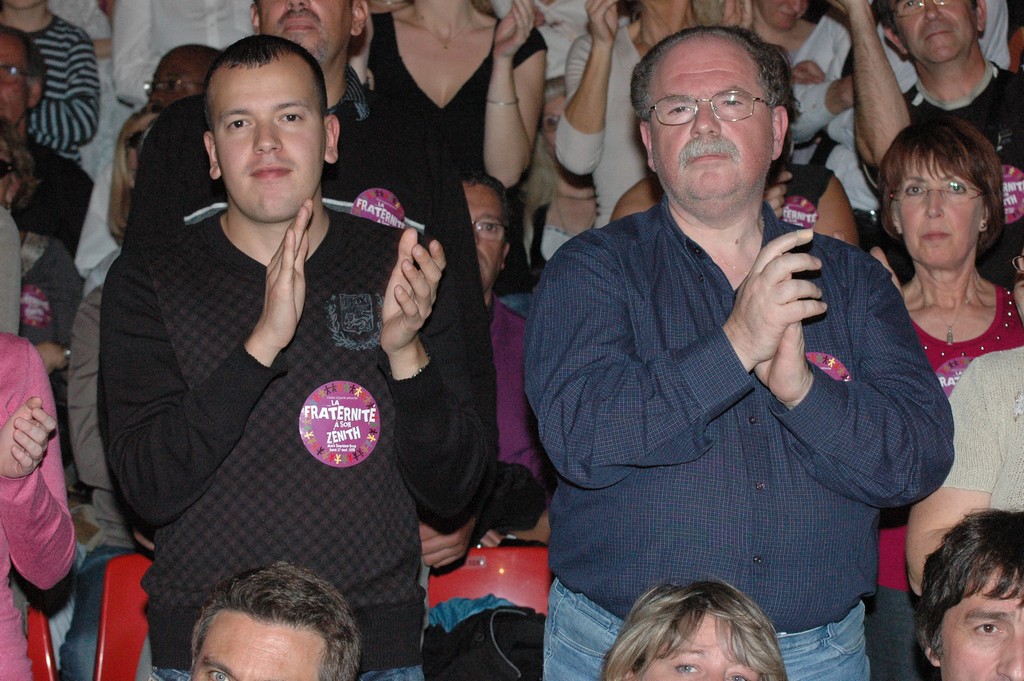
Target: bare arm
(835, 215)
(638, 198)
(878, 102)
(931, 518)
(586, 110)
(514, 98)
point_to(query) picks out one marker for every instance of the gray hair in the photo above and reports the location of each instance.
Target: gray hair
(292, 596)
(772, 67)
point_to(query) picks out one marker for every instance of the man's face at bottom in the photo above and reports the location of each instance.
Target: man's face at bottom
(238, 648)
(982, 640)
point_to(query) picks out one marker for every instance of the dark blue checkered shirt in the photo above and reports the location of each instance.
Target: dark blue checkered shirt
(676, 464)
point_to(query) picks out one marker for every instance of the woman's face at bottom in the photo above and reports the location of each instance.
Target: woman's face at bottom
(705, 657)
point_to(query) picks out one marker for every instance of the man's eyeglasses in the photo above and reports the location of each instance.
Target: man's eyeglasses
(6, 168)
(490, 230)
(731, 105)
(10, 73)
(1018, 263)
(953, 191)
(904, 8)
(169, 85)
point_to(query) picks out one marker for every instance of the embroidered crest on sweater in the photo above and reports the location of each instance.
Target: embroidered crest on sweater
(354, 319)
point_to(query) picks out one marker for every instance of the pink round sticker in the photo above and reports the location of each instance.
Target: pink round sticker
(800, 212)
(381, 206)
(340, 424)
(829, 364)
(949, 372)
(35, 307)
(1013, 193)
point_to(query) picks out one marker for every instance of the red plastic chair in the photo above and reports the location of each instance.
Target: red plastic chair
(517, 573)
(123, 625)
(40, 647)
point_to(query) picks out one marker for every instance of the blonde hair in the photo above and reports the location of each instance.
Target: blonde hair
(24, 166)
(667, 616)
(541, 183)
(121, 179)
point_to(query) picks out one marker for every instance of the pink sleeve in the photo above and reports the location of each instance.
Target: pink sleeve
(34, 513)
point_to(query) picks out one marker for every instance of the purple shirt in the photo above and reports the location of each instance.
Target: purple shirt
(518, 441)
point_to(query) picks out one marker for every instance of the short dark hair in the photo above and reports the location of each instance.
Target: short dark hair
(255, 51)
(886, 14)
(945, 146)
(292, 596)
(35, 65)
(479, 177)
(668, 616)
(772, 67)
(982, 554)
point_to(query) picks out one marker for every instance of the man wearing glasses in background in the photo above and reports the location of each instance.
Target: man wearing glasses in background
(58, 206)
(723, 397)
(953, 78)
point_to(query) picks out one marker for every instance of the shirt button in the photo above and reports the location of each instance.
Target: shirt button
(760, 486)
(752, 419)
(697, 251)
(758, 559)
(700, 277)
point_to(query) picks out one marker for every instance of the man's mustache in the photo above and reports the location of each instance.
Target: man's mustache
(708, 146)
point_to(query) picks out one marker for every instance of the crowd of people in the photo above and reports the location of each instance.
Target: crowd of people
(720, 300)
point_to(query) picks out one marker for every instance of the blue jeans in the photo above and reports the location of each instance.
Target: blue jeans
(832, 652)
(579, 632)
(78, 652)
(400, 674)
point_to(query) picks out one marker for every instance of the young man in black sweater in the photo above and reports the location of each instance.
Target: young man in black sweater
(275, 390)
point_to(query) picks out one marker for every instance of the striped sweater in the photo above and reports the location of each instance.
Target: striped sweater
(67, 115)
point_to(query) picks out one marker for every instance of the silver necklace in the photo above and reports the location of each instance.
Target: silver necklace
(949, 326)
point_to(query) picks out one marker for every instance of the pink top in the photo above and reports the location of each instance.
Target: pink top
(948, 361)
(36, 533)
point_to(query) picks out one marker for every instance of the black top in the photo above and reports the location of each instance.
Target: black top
(61, 200)
(383, 151)
(225, 458)
(461, 120)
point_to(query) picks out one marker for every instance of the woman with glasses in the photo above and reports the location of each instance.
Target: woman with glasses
(111, 195)
(941, 186)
